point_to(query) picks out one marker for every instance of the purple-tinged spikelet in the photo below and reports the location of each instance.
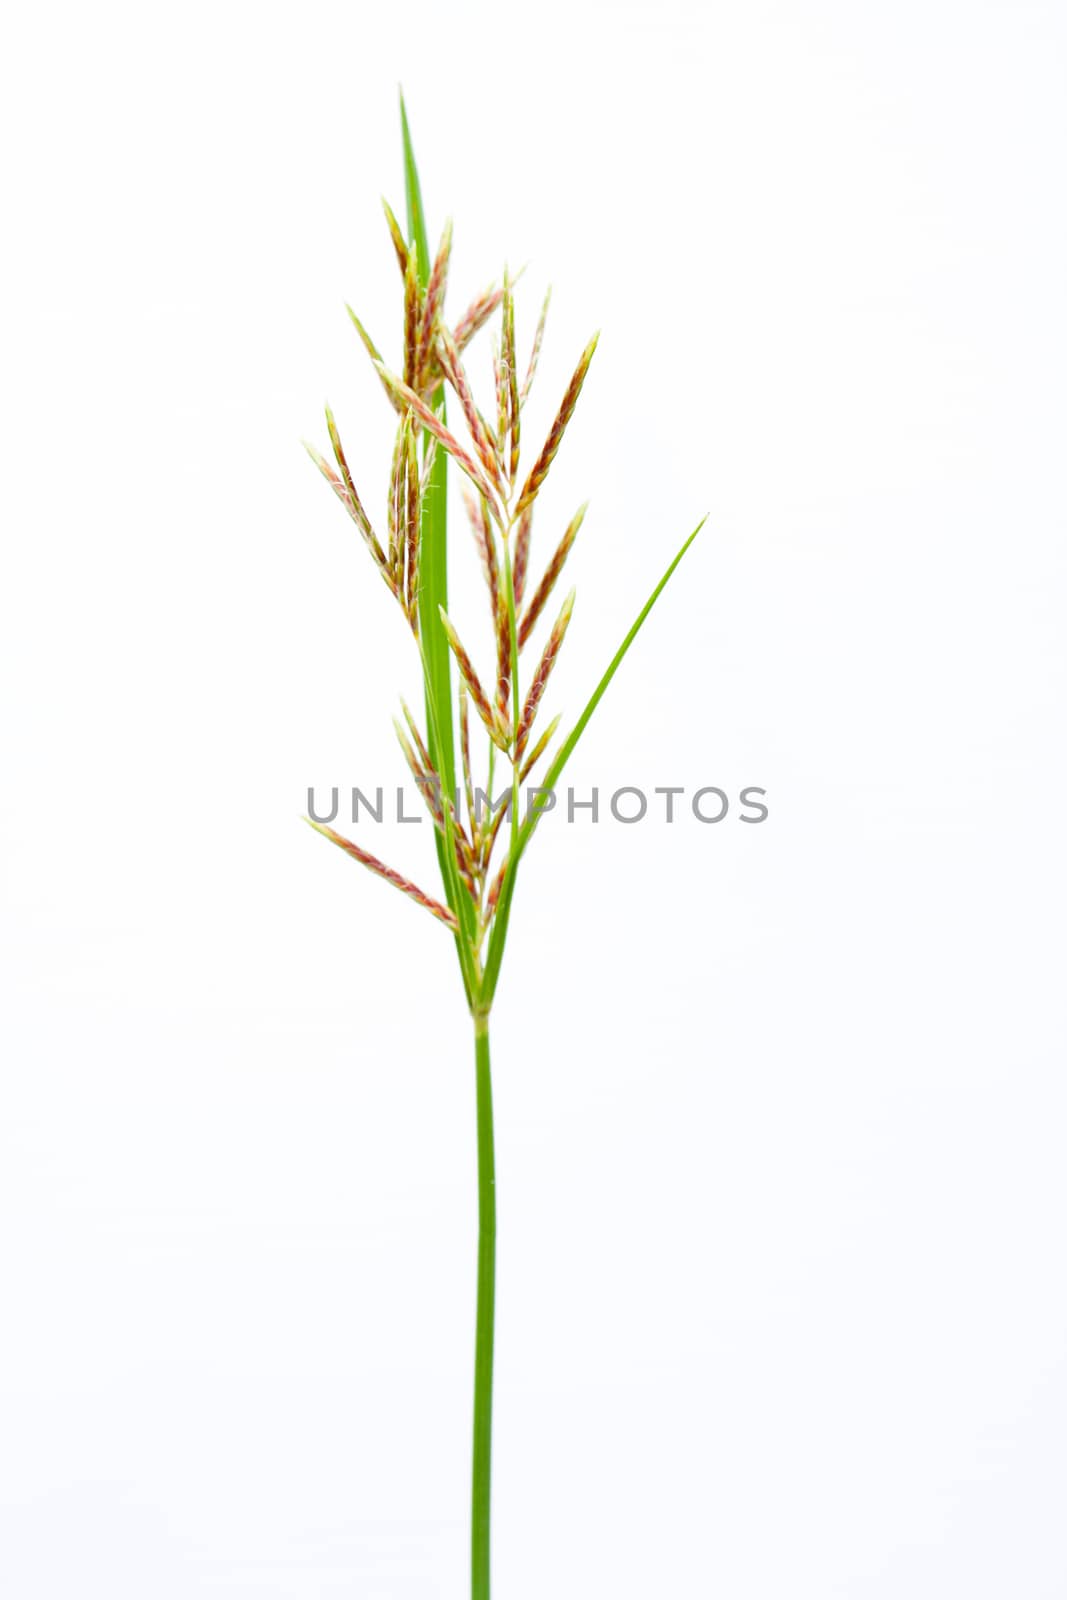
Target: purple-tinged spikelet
(483, 538)
(497, 885)
(522, 554)
(431, 309)
(397, 505)
(496, 731)
(411, 323)
(427, 465)
(541, 676)
(413, 517)
(465, 755)
(539, 471)
(426, 782)
(552, 572)
(500, 385)
(476, 316)
(453, 369)
(536, 351)
(364, 857)
(372, 350)
(508, 361)
(538, 750)
(350, 501)
(399, 242)
(420, 743)
(432, 421)
(503, 661)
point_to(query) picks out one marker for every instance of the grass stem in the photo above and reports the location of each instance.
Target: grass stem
(483, 1349)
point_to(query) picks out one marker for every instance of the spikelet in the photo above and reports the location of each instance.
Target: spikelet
(527, 382)
(411, 324)
(397, 505)
(351, 502)
(426, 781)
(431, 310)
(483, 538)
(538, 750)
(364, 857)
(541, 676)
(453, 370)
(508, 360)
(427, 465)
(500, 385)
(420, 743)
(498, 734)
(522, 554)
(497, 885)
(372, 350)
(503, 662)
(432, 421)
(539, 471)
(552, 572)
(414, 510)
(465, 755)
(476, 316)
(429, 786)
(399, 242)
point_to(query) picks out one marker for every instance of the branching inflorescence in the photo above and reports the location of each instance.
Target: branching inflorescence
(500, 503)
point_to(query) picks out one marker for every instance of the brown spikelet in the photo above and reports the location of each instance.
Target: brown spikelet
(431, 309)
(432, 421)
(483, 539)
(453, 370)
(497, 885)
(500, 384)
(476, 316)
(355, 505)
(414, 511)
(541, 676)
(426, 781)
(503, 660)
(427, 465)
(372, 350)
(442, 913)
(351, 503)
(536, 351)
(489, 839)
(522, 554)
(420, 743)
(538, 750)
(399, 242)
(411, 323)
(552, 572)
(539, 471)
(397, 504)
(497, 733)
(464, 854)
(508, 361)
(465, 755)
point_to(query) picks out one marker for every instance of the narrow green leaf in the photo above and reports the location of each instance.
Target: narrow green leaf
(500, 925)
(433, 584)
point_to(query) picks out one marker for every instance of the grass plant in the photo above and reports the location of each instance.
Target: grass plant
(492, 722)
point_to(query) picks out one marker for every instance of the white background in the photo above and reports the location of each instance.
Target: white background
(782, 1299)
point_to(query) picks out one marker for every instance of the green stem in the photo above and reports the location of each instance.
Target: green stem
(483, 1349)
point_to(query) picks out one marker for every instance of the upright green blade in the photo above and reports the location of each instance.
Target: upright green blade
(434, 589)
(433, 558)
(500, 926)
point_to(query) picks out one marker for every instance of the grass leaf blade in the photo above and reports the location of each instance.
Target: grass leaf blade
(555, 771)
